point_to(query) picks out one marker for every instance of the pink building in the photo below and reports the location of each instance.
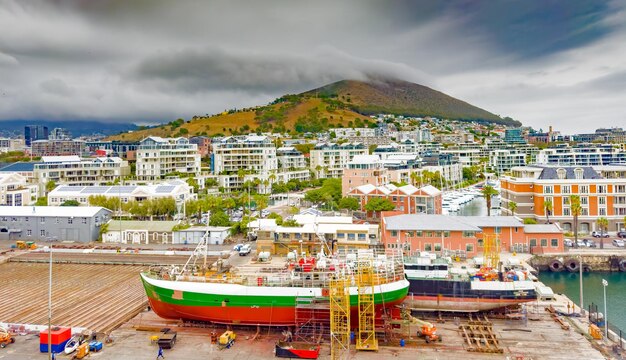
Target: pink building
(408, 199)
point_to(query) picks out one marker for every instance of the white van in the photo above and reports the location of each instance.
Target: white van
(245, 250)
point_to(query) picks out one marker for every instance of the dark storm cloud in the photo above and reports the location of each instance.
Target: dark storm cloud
(153, 60)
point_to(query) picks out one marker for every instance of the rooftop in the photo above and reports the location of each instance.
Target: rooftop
(542, 228)
(51, 211)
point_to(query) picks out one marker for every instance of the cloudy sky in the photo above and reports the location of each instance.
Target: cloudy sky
(145, 61)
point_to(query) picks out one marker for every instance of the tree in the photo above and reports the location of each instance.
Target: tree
(70, 203)
(529, 221)
(512, 207)
(50, 185)
(277, 217)
(489, 192)
(576, 210)
(377, 204)
(42, 201)
(349, 203)
(291, 223)
(219, 218)
(547, 206)
(603, 224)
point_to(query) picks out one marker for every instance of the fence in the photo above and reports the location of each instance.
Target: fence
(615, 334)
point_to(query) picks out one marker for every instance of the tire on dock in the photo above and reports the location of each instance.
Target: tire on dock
(556, 265)
(572, 265)
(587, 268)
(622, 265)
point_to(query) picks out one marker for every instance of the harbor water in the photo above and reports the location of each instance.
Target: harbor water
(568, 284)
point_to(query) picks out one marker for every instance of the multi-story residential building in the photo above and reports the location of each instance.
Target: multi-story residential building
(58, 147)
(363, 170)
(16, 191)
(7, 145)
(582, 155)
(467, 157)
(117, 148)
(250, 153)
(177, 190)
(464, 235)
(514, 136)
(338, 232)
(329, 159)
(44, 223)
(290, 158)
(60, 134)
(602, 192)
(204, 144)
(344, 133)
(35, 132)
(157, 157)
(408, 199)
(501, 161)
(72, 170)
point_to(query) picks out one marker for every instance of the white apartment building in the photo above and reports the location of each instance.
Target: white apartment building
(467, 157)
(290, 158)
(157, 157)
(252, 153)
(177, 189)
(343, 133)
(501, 161)
(15, 191)
(582, 155)
(330, 159)
(72, 170)
(7, 145)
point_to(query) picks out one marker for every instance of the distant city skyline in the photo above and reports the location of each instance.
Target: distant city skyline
(542, 63)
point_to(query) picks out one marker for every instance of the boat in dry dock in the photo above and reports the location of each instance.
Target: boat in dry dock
(265, 293)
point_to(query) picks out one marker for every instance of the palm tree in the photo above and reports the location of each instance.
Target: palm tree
(547, 206)
(576, 210)
(603, 224)
(489, 192)
(512, 207)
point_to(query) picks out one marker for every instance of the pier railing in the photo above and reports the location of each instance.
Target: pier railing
(615, 334)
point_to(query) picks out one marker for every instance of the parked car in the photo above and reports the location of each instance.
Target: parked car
(621, 234)
(237, 247)
(581, 243)
(599, 234)
(590, 243)
(568, 242)
(264, 213)
(618, 242)
(245, 250)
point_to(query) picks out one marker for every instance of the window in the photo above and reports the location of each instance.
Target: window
(42, 233)
(13, 219)
(468, 234)
(84, 220)
(584, 211)
(561, 173)
(601, 189)
(497, 230)
(409, 234)
(29, 232)
(351, 236)
(438, 234)
(566, 212)
(533, 242)
(548, 189)
(56, 221)
(469, 247)
(578, 173)
(583, 189)
(437, 247)
(554, 242)
(566, 189)
(602, 211)
(298, 236)
(584, 200)
(418, 233)
(544, 242)
(428, 247)
(70, 220)
(602, 200)
(479, 242)
(565, 200)
(285, 235)
(394, 232)
(362, 237)
(42, 220)
(26, 219)
(446, 234)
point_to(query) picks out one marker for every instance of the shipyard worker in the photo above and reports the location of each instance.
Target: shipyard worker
(160, 354)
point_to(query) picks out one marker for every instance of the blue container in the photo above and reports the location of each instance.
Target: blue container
(56, 348)
(95, 346)
(352, 336)
(401, 342)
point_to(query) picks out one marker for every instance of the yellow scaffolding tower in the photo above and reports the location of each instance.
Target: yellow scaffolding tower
(491, 250)
(339, 296)
(366, 339)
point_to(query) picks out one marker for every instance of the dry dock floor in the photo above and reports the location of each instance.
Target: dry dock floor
(546, 340)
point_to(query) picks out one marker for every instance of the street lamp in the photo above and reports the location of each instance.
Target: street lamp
(606, 321)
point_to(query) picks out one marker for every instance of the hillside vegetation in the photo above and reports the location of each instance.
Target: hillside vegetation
(344, 103)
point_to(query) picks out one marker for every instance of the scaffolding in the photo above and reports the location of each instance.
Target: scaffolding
(366, 339)
(339, 296)
(312, 319)
(491, 250)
